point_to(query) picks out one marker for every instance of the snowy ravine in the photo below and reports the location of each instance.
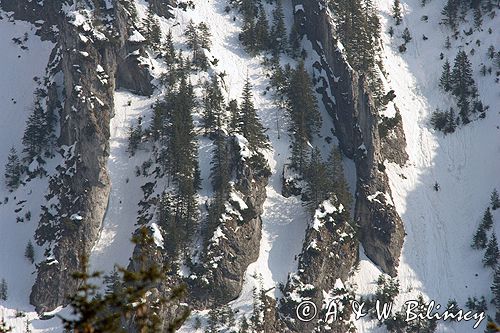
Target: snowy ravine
(437, 258)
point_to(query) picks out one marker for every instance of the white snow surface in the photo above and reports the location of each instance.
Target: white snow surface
(437, 259)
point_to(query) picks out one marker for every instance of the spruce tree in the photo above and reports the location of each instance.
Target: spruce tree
(262, 30)
(151, 30)
(495, 289)
(169, 49)
(487, 221)
(495, 200)
(29, 252)
(304, 114)
(36, 136)
(335, 169)
(445, 80)
(396, 12)
(463, 85)
(318, 183)
(406, 35)
(492, 254)
(234, 116)
(213, 105)
(3, 290)
(13, 170)
(278, 31)
(480, 239)
(251, 128)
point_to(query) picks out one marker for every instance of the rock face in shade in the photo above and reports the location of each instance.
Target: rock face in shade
(357, 128)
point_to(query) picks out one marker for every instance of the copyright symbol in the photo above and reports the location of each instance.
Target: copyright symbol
(306, 311)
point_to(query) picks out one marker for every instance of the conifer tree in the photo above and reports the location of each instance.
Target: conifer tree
(37, 134)
(135, 137)
(106, 313)
(445, 80)
(450, 13)
(480, 239)
(234, 116)
(396, 12)
(495, 289)
(13, 170)
(3, 290)
(487, 221)
(29, 252)
(335, 169)
(492, 253)
(304, 114)
(463, 85)
(319, 185)
(198, 38)
(151, 30)
(213, 105)
(278, 31)
(251, 128)
(169, 49)
(495, 200)
(406, 35)
(262, 30)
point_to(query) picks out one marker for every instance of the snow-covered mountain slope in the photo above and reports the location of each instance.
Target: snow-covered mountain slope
(22, 67)
(437, 258)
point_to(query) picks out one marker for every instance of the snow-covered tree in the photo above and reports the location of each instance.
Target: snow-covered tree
(3, 290)
(495, 200)
(492, 253)
(445, 80)
(13, 170)
(251, 128)
(396, 12)
(29, 252)
(480, 238)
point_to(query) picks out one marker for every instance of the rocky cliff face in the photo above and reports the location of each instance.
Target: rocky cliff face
(236, 242)
(91, 48)
(357, 127)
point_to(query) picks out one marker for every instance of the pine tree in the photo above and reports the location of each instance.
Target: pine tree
(478, 18)
(495, 200)
(262, 30)
(29, 252)
(198, 38)
(106, 313)
(251, 128)
(234, 116)
(3, 290)
(278, 31)
(151, 30)
(318, 183)
(37, 134)
(335, 169)
(445, 80)
(463, 85)
(213, 105)
(492, 254)
(480, 239)
(134, 137)
(406, 35)
(487, 221)
(169, 49)
(495, 289)
(450, 13)
(13, 170)
(396, 12)
(304, 114)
